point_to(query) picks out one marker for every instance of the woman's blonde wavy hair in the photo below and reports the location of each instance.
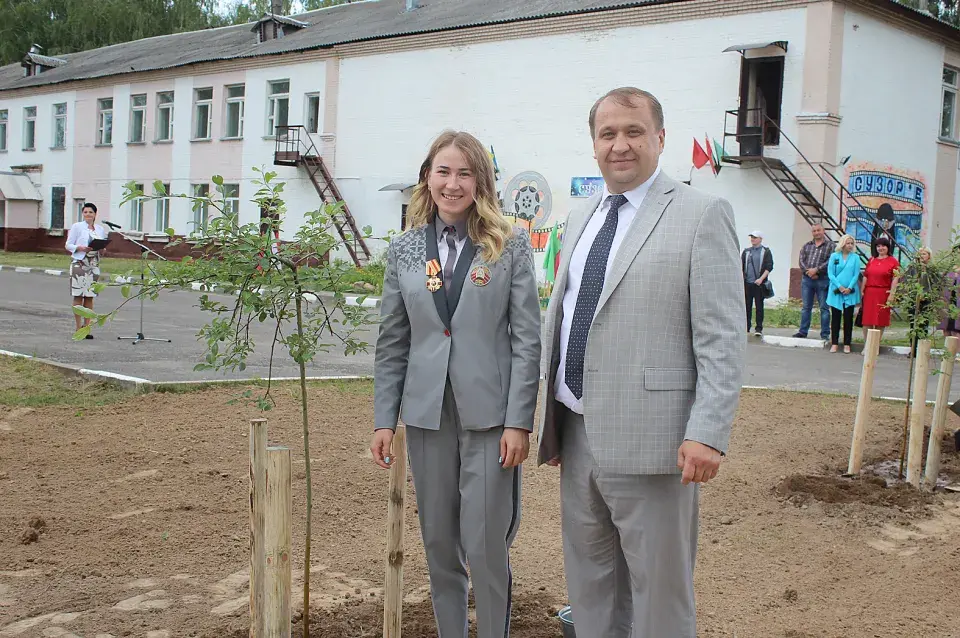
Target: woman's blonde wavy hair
(488, 229)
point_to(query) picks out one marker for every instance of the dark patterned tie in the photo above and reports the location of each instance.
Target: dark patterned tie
(591, 285)
(451, 233)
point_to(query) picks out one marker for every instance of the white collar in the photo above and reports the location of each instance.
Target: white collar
(636, 195)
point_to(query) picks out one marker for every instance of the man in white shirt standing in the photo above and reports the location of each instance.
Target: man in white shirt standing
(643, 360)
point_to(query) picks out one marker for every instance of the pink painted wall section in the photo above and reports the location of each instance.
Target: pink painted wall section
(22, 214)
(217, 157)
(92, 172)
(149, 162)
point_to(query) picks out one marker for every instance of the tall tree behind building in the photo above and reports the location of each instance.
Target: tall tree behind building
(67, 26)
(946, 10)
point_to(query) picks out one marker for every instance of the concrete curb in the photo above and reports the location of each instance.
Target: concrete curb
(368, 301)
(131, 383)
(817, 344)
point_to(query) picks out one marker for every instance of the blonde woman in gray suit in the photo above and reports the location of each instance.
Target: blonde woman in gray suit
(457, 361)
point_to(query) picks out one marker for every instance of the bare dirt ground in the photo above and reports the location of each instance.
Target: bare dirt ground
(140, 525)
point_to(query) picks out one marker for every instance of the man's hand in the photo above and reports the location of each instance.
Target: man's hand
(699, 462)
(514, 447)
(381, 447)
(759, 282)
(554, 462)
(812, 272)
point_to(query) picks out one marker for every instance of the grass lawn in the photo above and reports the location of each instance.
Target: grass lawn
(26, 383)
(111, 265)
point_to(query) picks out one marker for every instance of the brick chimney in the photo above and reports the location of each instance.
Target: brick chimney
(276, 7)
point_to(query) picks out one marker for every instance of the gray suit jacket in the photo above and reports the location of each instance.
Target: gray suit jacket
(485, 338)
(665, 353)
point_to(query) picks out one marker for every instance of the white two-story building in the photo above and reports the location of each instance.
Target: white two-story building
(843, 111)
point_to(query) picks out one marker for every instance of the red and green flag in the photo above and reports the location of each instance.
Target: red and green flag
(551, 258)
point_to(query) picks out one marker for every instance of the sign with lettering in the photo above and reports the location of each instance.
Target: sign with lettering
(586, 186)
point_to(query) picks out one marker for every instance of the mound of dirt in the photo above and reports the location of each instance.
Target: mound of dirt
(531, 618)
(870, 490)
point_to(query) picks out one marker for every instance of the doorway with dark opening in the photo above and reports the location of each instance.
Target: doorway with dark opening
(761, 94)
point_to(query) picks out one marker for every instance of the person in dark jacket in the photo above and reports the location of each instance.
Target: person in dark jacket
(757, 262)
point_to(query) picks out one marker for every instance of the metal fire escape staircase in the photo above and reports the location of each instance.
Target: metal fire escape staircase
(809, 207)
(295, 147)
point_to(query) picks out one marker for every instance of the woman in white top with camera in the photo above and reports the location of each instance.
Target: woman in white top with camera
(85, 267)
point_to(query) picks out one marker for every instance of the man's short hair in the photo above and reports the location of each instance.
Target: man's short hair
(626, 96)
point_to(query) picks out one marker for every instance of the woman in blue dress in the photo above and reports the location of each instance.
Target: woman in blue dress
(843, 295)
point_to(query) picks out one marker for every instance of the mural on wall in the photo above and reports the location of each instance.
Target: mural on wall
(528, 199)
(895, 197)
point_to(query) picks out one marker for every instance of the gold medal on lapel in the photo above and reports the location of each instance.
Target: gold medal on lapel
(434, 283)
(480, 275)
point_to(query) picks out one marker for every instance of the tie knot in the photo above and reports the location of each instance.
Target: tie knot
(451, 230)
(616, 201)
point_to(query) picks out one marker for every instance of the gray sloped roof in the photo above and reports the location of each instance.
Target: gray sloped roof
(354, 22)
(18, 186)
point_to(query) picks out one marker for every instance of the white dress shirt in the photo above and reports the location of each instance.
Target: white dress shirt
(80, 235)
(442, 246)
(578, 260)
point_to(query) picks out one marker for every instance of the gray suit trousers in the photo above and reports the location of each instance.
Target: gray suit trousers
(629, 545)
(469, 509)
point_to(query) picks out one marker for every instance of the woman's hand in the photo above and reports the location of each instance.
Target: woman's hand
(514, 447)
(83, 249)
(381, 447)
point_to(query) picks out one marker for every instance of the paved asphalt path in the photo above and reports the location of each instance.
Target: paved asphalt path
(35, 319)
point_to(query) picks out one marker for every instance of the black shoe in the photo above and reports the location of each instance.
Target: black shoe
(799, 335)
(89, 337)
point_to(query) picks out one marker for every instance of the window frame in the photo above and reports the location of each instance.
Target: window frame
(134, 110)
(273, 100)
(307, 113)
(162, 217)
(59, 118)
(30, 122)
(231, 201)
(4, 129)
(201, 211)
(230, 101)
(199, 103)
(104, 132)
(78, 206)
(951, 90)
(162, 107)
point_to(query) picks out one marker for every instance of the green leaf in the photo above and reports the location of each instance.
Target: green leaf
(170, 232)
(243, 366)
(125, 290)
(217, 179)
(81, 334)
(86, 313)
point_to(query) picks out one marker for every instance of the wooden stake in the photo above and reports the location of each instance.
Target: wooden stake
(277, 540)
(940, 409)
(258, 488)
(917, 417)
(393, 589)
(870, 351)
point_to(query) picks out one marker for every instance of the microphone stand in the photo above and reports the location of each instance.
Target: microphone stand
(143, 265)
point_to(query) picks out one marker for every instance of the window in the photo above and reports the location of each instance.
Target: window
(231, 198)
(163, 210)
(278, 106)
(202, 113)
(78, 207)
(948, 112)
(201, 210)
(234, 119)
(58, 200)
(60, 125)
(3, 213)
(29, 128)
(136, 211)
(105, 121)
(165, 116)
(138, 119)
(313, 113)
(3, 130)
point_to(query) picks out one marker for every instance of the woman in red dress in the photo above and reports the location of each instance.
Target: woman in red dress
(878, 284)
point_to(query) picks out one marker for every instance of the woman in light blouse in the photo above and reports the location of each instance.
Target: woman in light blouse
(843, 295)
(85, 267)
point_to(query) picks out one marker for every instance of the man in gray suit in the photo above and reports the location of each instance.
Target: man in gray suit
(643, 358)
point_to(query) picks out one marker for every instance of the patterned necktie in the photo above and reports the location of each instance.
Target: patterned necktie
(591, 285)
(451, 233)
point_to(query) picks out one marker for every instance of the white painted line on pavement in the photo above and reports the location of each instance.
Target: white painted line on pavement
(55, 273)
(7, 353)
(111, 375)
(792, 342)
(23, 269)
